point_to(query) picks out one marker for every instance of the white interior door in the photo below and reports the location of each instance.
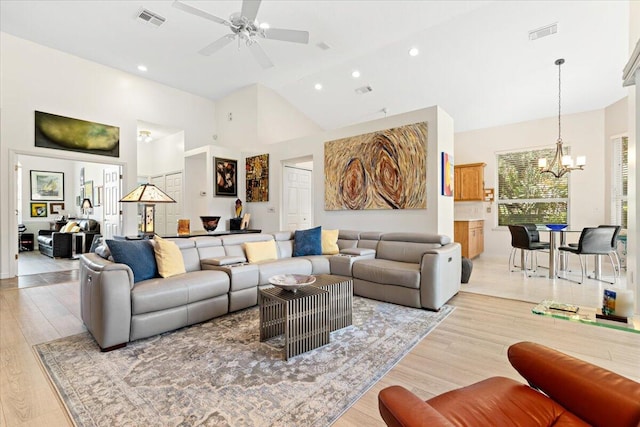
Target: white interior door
(297, 198)
(175, 210)
(112, 223)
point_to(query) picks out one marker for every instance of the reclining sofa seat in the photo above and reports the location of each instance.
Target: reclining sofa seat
(116, 310)
(412, 269)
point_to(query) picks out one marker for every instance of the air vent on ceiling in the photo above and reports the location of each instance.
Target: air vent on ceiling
(150, 17)
(323, 46)
(543, 31)
(364, 89)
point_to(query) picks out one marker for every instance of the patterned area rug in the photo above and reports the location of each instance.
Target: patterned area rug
(218, 373)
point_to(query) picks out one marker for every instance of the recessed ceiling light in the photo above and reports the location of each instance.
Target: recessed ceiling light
(414, 51)
(318, 86)
(355, 74)
(142, 68)
(264, 25)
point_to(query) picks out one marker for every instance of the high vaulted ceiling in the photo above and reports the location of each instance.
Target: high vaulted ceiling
(476, 60)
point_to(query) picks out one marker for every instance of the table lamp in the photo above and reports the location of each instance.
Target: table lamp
(149, 195)
(86, 207)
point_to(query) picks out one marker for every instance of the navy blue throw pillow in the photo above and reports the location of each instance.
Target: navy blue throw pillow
(137, 254)
(308, 242)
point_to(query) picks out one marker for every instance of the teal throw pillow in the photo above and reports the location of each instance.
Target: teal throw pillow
(308, 242)
(137, 254)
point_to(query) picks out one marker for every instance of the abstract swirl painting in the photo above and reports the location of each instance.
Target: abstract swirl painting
(379, 170)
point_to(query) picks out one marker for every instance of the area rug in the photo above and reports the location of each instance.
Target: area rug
(218, 373)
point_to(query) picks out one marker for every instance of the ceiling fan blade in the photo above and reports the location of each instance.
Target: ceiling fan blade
(250, 9)
(295, 36)
(199, 12)
(217, 45)
(259, 54)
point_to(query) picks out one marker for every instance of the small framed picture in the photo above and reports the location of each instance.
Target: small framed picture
(55, 208)
(225, 177)
(38, 210)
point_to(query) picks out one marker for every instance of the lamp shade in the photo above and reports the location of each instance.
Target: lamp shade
(86, 204)
(147, 193)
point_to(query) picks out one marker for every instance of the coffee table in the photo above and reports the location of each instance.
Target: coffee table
(340, 299)
(301, 316)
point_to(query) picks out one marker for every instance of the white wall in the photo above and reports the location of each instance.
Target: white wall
(34, 77)
(437, 217)
(256, 115)
(583, 132)
(161, 156)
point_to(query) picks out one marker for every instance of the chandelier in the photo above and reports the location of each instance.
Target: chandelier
(561, 164)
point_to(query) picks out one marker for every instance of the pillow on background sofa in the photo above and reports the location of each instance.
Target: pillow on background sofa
(137, 254)
(308, 242)
(330, 242)
(260, 251)
(168, 257)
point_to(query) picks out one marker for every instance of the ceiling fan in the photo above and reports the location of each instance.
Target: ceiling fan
(245, 27)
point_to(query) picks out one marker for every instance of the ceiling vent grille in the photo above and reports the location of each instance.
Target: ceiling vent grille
(364, 89)
(543, 32)
(150, 17)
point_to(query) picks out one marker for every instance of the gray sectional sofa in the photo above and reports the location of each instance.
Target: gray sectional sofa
(413, 269)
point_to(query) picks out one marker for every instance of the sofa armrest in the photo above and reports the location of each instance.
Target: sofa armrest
(401, 408)
(105, 300)
(440, 271)
(596, 395)
(45, 232)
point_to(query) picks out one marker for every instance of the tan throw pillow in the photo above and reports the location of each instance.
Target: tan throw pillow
(330, 242)
(68, 226)
(168, 257)
(261, 251)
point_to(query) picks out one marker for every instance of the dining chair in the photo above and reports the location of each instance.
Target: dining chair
(593, 241)
(522, 239)
(614, 247)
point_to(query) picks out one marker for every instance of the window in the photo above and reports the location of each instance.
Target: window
(620, 178)
(527, 196)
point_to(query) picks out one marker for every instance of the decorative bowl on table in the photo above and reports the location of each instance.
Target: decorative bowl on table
(556, 227)
(210, 223)
(291, 282)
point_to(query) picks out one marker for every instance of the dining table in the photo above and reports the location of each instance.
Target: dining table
(562, 260)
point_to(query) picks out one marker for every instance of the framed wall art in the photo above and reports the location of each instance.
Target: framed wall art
(38, 210)
(226, 179)
(447, 174)
(386, 169)
(66, 133)
(88, 190)
(257, 178)
(47, 185)
(56, 208)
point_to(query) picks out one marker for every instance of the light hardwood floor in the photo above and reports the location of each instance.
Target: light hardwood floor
(468, 346)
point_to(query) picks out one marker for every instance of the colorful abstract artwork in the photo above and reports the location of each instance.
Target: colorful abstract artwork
(379, 170)
(257, 178)
(225, 176)
(447, 174)
(65, 133)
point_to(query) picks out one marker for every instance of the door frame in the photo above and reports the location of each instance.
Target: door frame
(11, 255)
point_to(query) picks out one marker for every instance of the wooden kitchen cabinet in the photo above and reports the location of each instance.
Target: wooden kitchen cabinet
(468, 182)
(470, 234)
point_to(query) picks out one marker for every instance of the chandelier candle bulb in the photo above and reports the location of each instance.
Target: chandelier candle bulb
(581, 161)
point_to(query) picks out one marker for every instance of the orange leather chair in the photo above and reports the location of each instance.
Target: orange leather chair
(563, 391)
